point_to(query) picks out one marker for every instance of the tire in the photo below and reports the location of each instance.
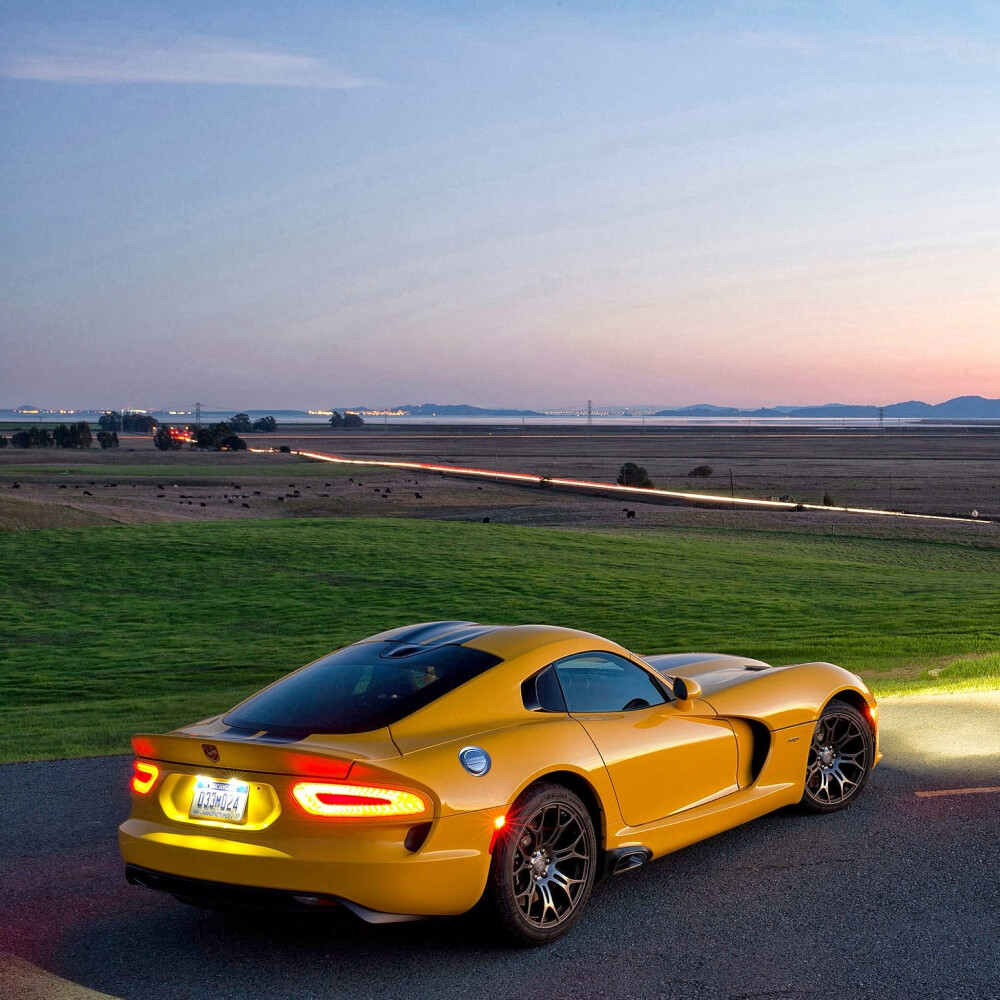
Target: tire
(840, 759)
(543, 866)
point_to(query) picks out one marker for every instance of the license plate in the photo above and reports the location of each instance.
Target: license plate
(225, 800)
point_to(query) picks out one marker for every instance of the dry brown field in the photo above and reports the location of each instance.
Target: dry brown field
(930, 470)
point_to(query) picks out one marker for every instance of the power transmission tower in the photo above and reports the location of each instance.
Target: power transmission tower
(590, 415)
(197, 414)
(881, 419)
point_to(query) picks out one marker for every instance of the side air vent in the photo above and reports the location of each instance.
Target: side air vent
(754, 667)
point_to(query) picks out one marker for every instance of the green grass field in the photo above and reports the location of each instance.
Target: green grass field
(105, 631)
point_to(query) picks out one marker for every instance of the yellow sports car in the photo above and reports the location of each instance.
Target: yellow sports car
(435, 767)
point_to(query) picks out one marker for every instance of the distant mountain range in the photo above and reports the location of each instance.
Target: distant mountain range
(961, 407)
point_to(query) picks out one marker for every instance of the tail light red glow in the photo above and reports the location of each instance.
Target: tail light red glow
(356, 801)
(143, 776)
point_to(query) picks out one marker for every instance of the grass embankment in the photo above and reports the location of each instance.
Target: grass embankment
(109, 631)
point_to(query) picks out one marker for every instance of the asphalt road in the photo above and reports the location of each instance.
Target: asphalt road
(897, 896)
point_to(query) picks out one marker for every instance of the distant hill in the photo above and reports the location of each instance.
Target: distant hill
(960, 408)
(460, 410)
(967, 406)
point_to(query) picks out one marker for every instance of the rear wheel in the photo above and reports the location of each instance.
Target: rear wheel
(840, 759)
(543, 865)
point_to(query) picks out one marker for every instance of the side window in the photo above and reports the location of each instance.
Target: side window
(541, 692)
(604, 682)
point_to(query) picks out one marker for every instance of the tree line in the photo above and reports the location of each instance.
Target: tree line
(214, 437)
(348, 420)
(223, 436)
(127, 422)
(76, 435)
(242, 424)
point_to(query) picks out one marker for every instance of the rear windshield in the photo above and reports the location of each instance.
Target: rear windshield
(360, 688)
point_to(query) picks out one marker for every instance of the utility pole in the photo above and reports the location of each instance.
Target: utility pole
(890, 491)
(590, 416)
(732, 489)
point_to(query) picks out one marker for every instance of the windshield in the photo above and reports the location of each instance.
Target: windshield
(360, 688)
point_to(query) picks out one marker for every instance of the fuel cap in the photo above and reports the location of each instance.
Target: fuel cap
(475, 760)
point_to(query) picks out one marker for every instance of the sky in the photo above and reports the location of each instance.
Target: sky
(314, 203)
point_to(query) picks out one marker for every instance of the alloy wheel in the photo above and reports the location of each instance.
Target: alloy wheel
(839, 758)
(550, 867)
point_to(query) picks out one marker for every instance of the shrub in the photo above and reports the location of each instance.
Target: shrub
(74, 436)
(136, 423)
(631, 474)
(701, 471)
(240, 423)
(33, 437)
(348, 421)
(164, 440)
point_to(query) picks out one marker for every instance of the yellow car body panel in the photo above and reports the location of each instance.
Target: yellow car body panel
(699, 753)
(658, 777)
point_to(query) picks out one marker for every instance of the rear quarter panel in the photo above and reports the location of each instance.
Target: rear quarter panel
(520, 754)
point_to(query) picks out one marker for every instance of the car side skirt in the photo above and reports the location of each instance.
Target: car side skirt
(780, 784)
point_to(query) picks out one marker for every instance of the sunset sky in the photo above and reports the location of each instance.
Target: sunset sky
(304, 204)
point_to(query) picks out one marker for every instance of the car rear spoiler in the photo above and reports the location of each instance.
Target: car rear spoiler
(321, 760)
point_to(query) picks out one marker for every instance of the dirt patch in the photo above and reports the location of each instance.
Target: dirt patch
(17, 514)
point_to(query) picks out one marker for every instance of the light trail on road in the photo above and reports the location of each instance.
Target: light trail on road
(957, 791)
(637, 493)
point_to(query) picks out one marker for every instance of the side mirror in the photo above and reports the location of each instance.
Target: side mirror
(686, 690)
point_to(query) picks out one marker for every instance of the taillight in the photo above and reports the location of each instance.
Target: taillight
(143, 776)
(356, 801)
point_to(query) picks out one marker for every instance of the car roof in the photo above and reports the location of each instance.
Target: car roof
(491, 699)
(505, 641)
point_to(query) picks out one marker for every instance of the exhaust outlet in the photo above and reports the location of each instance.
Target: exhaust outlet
(625, 859)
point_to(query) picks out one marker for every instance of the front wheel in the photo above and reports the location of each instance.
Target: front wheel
(840, 759)
(543, 865)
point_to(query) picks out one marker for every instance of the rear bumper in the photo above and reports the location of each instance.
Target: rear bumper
(365, 867)
(226, 895)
